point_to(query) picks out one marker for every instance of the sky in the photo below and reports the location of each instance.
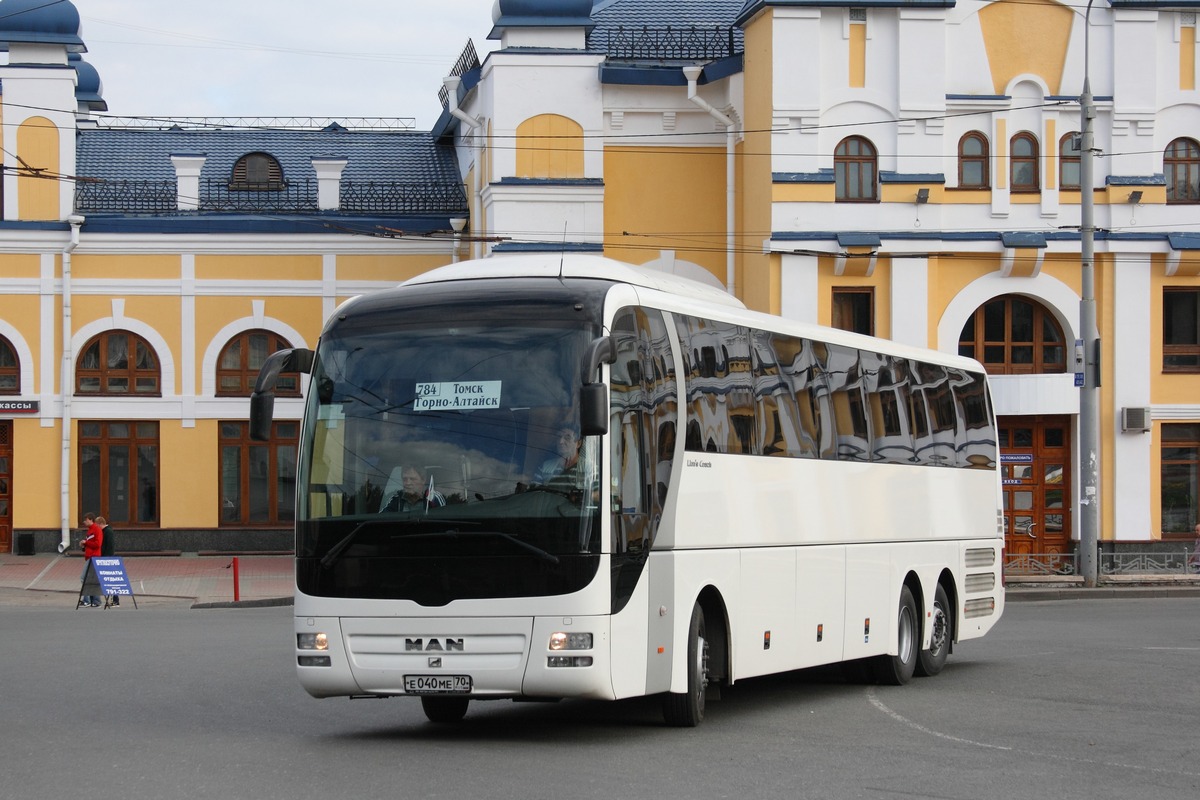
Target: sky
(280, 58)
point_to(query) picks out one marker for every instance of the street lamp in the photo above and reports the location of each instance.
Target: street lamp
(1089, 392)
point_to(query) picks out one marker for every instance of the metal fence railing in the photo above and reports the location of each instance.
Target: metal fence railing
(1181, 562)
(1040, 564)
(1164, 563)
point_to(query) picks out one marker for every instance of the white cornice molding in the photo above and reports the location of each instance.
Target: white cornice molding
(26, 242)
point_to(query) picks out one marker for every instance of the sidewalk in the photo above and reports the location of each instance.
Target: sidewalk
(208, 582)
(1107, 586)
(199, 581)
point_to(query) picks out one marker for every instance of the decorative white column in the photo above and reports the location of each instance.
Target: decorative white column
(187, 177)
(329, 182)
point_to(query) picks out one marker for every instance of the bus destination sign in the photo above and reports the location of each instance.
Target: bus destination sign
(455, 396)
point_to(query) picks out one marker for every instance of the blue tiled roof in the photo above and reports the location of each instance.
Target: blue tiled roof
(145, 155)
(610, 15)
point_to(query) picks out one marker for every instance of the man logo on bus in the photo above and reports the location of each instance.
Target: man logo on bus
(442, 645)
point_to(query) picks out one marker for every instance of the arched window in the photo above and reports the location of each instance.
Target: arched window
(242, 358)
(1014, 335)
(973, 162)
(10, 368)
(257, 172)
(1181, 168)
(1023, 157)
(118, 364)
(1069, 162)
(855, 170)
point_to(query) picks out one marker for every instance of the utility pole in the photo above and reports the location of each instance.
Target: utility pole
(1089, 392)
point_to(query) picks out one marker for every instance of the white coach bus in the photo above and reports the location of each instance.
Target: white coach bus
(624, 483)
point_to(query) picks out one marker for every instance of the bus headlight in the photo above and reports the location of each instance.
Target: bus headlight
(569, 661)
(312, 641)
(570, 641)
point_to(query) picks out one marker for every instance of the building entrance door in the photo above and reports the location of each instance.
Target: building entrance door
(6, 432)
(1035, 458)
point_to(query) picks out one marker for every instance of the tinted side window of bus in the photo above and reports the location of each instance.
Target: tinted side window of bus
(763, 393)
(720, 394)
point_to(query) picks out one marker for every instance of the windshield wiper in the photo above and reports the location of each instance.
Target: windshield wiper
(508, 537)
(336, 551)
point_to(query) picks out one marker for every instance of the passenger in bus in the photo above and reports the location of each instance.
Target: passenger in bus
(416, 492)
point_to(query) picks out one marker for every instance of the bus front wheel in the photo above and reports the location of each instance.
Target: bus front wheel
(898, 669)
(686, 710)
(444, 709)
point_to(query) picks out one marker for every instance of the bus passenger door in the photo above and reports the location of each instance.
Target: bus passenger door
(642, 409)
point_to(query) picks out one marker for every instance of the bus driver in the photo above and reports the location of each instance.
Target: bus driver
(416, 493)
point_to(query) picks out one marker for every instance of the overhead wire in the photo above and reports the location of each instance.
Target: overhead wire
(523, 143)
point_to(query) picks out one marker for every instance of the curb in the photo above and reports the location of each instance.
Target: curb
(265, 602)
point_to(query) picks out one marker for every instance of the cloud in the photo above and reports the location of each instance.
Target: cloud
(378, 58)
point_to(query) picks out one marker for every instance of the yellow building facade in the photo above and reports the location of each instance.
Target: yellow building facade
(906, 170)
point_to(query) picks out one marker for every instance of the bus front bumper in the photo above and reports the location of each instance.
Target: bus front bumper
(483, 658)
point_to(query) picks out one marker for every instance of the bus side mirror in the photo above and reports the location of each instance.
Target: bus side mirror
(593, 409)
(262, 399)
(593, 396)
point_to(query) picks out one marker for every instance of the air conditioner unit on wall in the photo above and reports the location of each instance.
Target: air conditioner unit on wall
(1135, 419)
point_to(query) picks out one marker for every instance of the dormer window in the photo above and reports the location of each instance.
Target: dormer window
(257, 172)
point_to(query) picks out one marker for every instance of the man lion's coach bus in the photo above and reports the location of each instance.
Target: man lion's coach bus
(552, 476)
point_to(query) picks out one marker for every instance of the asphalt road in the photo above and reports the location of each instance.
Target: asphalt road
(1068, 699)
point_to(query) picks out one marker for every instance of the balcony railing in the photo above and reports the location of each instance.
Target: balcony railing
(690, 43)
(132, 197)
(294, 197)
(385, 197)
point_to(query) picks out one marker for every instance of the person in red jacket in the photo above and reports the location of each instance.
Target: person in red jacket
(93, 541)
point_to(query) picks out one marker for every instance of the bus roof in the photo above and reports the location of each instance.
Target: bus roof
(719, 302)
(576, 265)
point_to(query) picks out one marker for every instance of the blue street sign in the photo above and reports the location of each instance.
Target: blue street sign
(110, 572)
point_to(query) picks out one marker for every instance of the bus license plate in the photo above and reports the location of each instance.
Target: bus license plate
(437, 684)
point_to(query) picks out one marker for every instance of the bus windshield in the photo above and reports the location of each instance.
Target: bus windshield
(443, 460)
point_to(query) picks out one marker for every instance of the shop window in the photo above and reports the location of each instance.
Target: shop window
(258, 479)
(118, 472)
(1179, 470)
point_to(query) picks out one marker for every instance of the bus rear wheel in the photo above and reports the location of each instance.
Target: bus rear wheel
(686, 710)
(898, 669)
(444, 709)
(941, 634)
